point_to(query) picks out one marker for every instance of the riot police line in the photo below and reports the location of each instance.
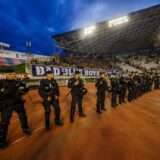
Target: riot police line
(124, 87)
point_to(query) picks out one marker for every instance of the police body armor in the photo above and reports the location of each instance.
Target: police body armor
(102, 86)
(78, 90)
(13, 91)
(115, 84)
(47, 88)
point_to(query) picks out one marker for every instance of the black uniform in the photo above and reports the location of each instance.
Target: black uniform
(145, 84)
(136, 88)
(149, 83)
(50, 88)
(101, 89)
(1, 97)
(122, 89)
(77, 96)
(156, 82)
(114, 86)
(131, 85)
(140, 85)
(12, 101)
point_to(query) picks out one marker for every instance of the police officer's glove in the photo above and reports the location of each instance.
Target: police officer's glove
(49, 98)
(56, 97)
(22, 88)
(84, 91)
(46, 88)
(2, 89)
(76, 83)
(109, 89)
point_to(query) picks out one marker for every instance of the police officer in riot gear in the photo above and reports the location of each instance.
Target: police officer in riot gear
(114, 86)
(1, 98)
(144, 83)
(122, 88)
(136, 85)
(131, 85)
(101, 85)
(140, 84)
(49, 91)
(150, 81)
(12, 92)
(157, 81)
(77, 92)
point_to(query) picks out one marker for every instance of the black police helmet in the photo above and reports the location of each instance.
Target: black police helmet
(77, 72)
(49, 72)
(9, 70)
(102, 73)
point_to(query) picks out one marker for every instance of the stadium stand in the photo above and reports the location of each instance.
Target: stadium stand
(114, 49)
(136, 34)
(10, 61)
(79, 62)
(143, 63)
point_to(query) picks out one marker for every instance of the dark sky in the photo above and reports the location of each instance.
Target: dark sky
(38, 20)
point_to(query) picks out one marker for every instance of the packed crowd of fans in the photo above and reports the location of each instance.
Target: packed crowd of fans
(139, 62)
(78, 62)
(137, 66)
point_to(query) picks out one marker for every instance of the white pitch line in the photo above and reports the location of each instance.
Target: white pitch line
(18, 140)
(36, 130)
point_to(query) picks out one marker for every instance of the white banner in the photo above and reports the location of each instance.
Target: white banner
(21, 55)
(38, 70)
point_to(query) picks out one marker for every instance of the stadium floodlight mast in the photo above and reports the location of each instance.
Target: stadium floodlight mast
(4, 45)
(118, 21)
(28, 45)
(89, 30)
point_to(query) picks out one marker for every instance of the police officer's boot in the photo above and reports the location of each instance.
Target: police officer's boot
(71, 119)
(113, 104)
(3, 143)
(26, 131)
(72, 115)
(98, 111)
(58, 122)
(47, 124)
(103, 107)
(98, 107)
(120, 101)
(48, 127)
(81, 114)
(3, 136)
(24, 125)
(123, 99)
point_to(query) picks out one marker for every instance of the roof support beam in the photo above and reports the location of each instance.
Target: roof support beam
(87, 55)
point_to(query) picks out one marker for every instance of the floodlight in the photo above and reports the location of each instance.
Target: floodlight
(118, 21)
(89, 30)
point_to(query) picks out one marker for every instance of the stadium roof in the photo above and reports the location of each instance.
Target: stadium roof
(134, 32)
